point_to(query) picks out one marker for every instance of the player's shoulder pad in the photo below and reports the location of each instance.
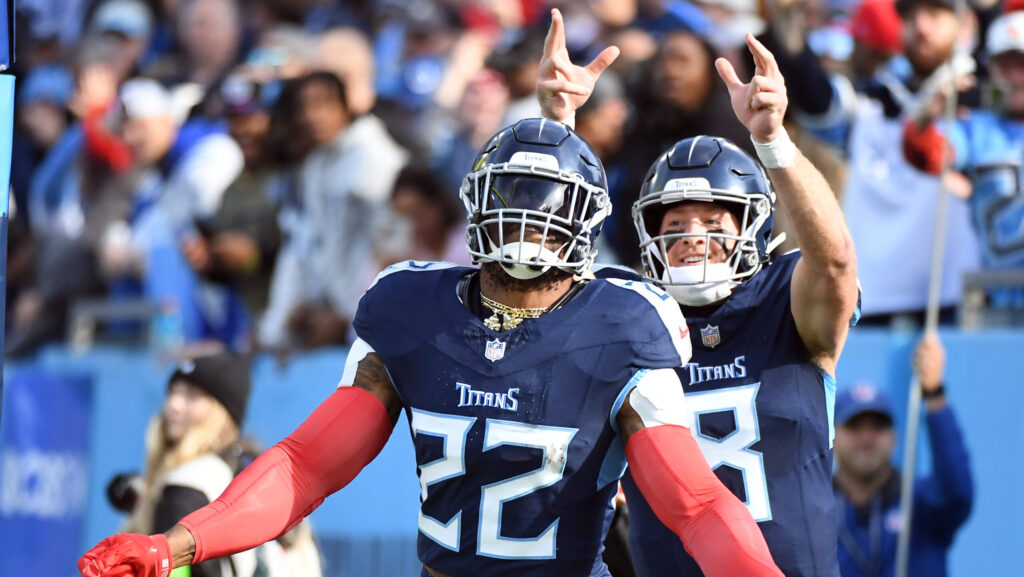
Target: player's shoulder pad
(412, 266)
(771, 284)
(608, 271)
(654, 302)
(393, 285)
(391, 312)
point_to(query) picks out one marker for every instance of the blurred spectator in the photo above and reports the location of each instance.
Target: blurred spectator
(731, 20)
(877, 31)
(868, 486)
(987, 145)
(41, 118)
(238, 245)
(433, 212)
(413, 56)
(517, 62)
(210, 35)
(883, 192)
(130, 24)
(184, 170)
(659, 17)
(49, 26)
(188, 445)
(679, 95)
(326, 260)
(346, 52)
(193, 450)
(282, 52)
(601, 121)
(472, 122)
(635, 46)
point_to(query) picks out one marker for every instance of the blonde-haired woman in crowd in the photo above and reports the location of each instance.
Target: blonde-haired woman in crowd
(193, 450)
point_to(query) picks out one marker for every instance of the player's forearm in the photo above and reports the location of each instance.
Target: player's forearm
(716, 529)
(817, 221)
(293, 477)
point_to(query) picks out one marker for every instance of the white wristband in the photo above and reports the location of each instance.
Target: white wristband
(778, 153)
(571, 121)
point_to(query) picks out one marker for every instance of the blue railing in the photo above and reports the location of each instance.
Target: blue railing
(369, 528)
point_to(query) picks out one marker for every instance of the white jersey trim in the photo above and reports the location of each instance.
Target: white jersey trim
(356, 353)
(658, 398)
(411, 265)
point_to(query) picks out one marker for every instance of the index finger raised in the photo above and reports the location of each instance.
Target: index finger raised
(763, 58)
(555, 40)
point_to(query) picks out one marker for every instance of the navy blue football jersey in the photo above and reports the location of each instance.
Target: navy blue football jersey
(514, 432)
(761, 411)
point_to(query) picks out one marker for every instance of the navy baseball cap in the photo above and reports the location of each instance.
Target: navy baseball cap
(47, 83)
(859, 399)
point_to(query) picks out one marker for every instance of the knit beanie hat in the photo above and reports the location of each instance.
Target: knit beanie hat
(225, 376)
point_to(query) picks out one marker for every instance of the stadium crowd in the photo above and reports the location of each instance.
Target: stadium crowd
(246, 167)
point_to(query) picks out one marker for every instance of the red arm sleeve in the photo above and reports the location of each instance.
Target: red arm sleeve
(102, 144)
(294, 476)
(716, 529)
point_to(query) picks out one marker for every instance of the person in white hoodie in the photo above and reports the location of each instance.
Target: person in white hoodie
(344, 186)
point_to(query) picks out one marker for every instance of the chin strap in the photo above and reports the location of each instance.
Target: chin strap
(776, 242)
(534, 259)
(697, 286)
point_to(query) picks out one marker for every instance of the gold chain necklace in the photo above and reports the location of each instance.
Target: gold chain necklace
(510, 318)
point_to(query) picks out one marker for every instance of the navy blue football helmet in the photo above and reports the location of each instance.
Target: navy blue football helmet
(714, 170)
(535, 199)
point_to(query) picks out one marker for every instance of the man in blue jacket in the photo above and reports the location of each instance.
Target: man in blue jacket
(867, 486)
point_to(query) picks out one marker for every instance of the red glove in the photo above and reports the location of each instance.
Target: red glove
(926, 149)
(128, 555)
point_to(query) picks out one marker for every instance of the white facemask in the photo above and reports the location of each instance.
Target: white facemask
(698, 285)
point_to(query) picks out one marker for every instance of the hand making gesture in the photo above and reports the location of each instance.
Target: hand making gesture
(562, 86)
(761, 103)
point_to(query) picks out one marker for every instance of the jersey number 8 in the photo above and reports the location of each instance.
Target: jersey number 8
(734, 449)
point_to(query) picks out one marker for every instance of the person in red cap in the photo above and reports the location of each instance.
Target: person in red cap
(882, 190)
(877, 31)
(986, 146)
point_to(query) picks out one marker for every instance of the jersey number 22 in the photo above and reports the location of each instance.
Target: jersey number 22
(490, 543)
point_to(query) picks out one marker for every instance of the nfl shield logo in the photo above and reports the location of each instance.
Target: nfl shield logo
(710, 336)
(495, 350)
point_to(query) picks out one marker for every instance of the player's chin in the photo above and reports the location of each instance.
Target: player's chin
(505, 281)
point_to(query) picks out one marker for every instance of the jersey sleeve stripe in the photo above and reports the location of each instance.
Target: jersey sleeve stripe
(617, 405)
(410, 265)
(356, 353)
(830, 403)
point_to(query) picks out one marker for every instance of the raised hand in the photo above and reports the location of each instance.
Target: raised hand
(761, 103)
(562, 86)
(930, 362)
(128, 555)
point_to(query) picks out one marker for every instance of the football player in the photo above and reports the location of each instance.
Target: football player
(526, 389)
(760, 384)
